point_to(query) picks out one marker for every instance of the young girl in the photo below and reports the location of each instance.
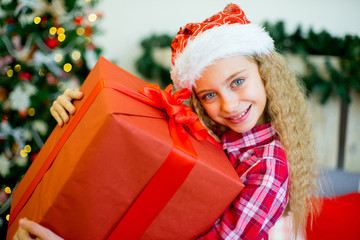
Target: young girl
(248, 99)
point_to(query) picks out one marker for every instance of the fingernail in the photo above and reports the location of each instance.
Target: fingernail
(22, 221)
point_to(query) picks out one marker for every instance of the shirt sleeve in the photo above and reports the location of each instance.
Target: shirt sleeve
(259, 205)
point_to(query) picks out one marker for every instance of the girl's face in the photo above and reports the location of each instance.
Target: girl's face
(232, 93)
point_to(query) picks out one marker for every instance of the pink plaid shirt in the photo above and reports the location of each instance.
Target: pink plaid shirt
(260, 161)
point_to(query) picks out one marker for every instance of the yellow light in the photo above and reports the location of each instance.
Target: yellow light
(31, 112)
(41, 73)
(52, 30)
(76, 55)
(17, 68)
(61, 37)
(8, 217)
(27, 148)
(8, 190)
(92, 17)
(10, 73)
(23, 153)
(80, 31)
(87, 0)
(60, 30)
(37, 20)
(87, 39)
(58, 57)
(67, 67)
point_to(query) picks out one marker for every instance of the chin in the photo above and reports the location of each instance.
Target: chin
(242, 129)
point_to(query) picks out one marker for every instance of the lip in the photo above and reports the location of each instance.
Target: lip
(237, 119)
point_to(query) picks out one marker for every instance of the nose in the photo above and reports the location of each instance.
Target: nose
(229, 102)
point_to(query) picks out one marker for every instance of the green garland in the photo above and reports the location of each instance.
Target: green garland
(340, 83)
(147, 66)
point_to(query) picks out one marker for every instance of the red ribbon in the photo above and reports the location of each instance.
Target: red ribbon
(176, 167)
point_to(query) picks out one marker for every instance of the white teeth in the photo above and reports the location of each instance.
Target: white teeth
(242, 113)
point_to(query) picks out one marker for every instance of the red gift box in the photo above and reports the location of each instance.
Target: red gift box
(123, 167)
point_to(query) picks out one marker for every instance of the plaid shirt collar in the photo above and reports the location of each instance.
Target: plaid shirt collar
(241, 142)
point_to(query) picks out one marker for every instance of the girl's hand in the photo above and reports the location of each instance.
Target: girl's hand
(31, 230)
(62, 106)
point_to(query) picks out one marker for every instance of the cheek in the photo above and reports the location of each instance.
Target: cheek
(257, 93)
(211, 110)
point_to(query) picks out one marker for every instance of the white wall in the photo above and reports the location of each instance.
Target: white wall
(126, 22)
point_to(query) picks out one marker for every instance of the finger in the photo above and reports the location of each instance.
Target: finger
(61, 111)
(15, 237)
(56, 116)
(68, 91)
(35, 229)
(73, 93)
(21, 234)
(38, 231)
(65, 102)
(76, 94)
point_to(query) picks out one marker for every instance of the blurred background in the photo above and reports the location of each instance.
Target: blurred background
(47, 46)
(125, 23)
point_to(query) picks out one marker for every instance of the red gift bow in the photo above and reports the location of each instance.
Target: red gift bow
(172, 104)
(178, 113)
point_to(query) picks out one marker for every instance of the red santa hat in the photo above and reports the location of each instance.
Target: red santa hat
(226, 34)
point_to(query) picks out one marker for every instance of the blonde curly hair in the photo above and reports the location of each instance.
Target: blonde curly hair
(286, 109)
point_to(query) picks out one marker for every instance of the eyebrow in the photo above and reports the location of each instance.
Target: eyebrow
(227, 80)
(233, 75)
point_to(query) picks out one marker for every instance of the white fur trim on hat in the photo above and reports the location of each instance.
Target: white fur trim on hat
(218, 42)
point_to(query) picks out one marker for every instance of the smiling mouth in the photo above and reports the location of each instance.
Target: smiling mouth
(242, 114)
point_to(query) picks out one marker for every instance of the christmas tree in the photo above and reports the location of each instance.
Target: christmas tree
(45, 47)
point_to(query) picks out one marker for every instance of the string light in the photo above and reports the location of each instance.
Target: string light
(41, 72)
(61, 37)
(67, 67)
(60, 30)
(27, 148)
(52, 30)
(23, 153)
(76, 55)
(37, 20)
(8, 217)
(7, 190)
(58, 57)
(92, 17)
(17, 68)
(87, 39)
(80, 31)
(31, 112)
(10, 73)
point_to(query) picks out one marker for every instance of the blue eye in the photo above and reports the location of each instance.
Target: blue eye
(237, 82)
(208, 96)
